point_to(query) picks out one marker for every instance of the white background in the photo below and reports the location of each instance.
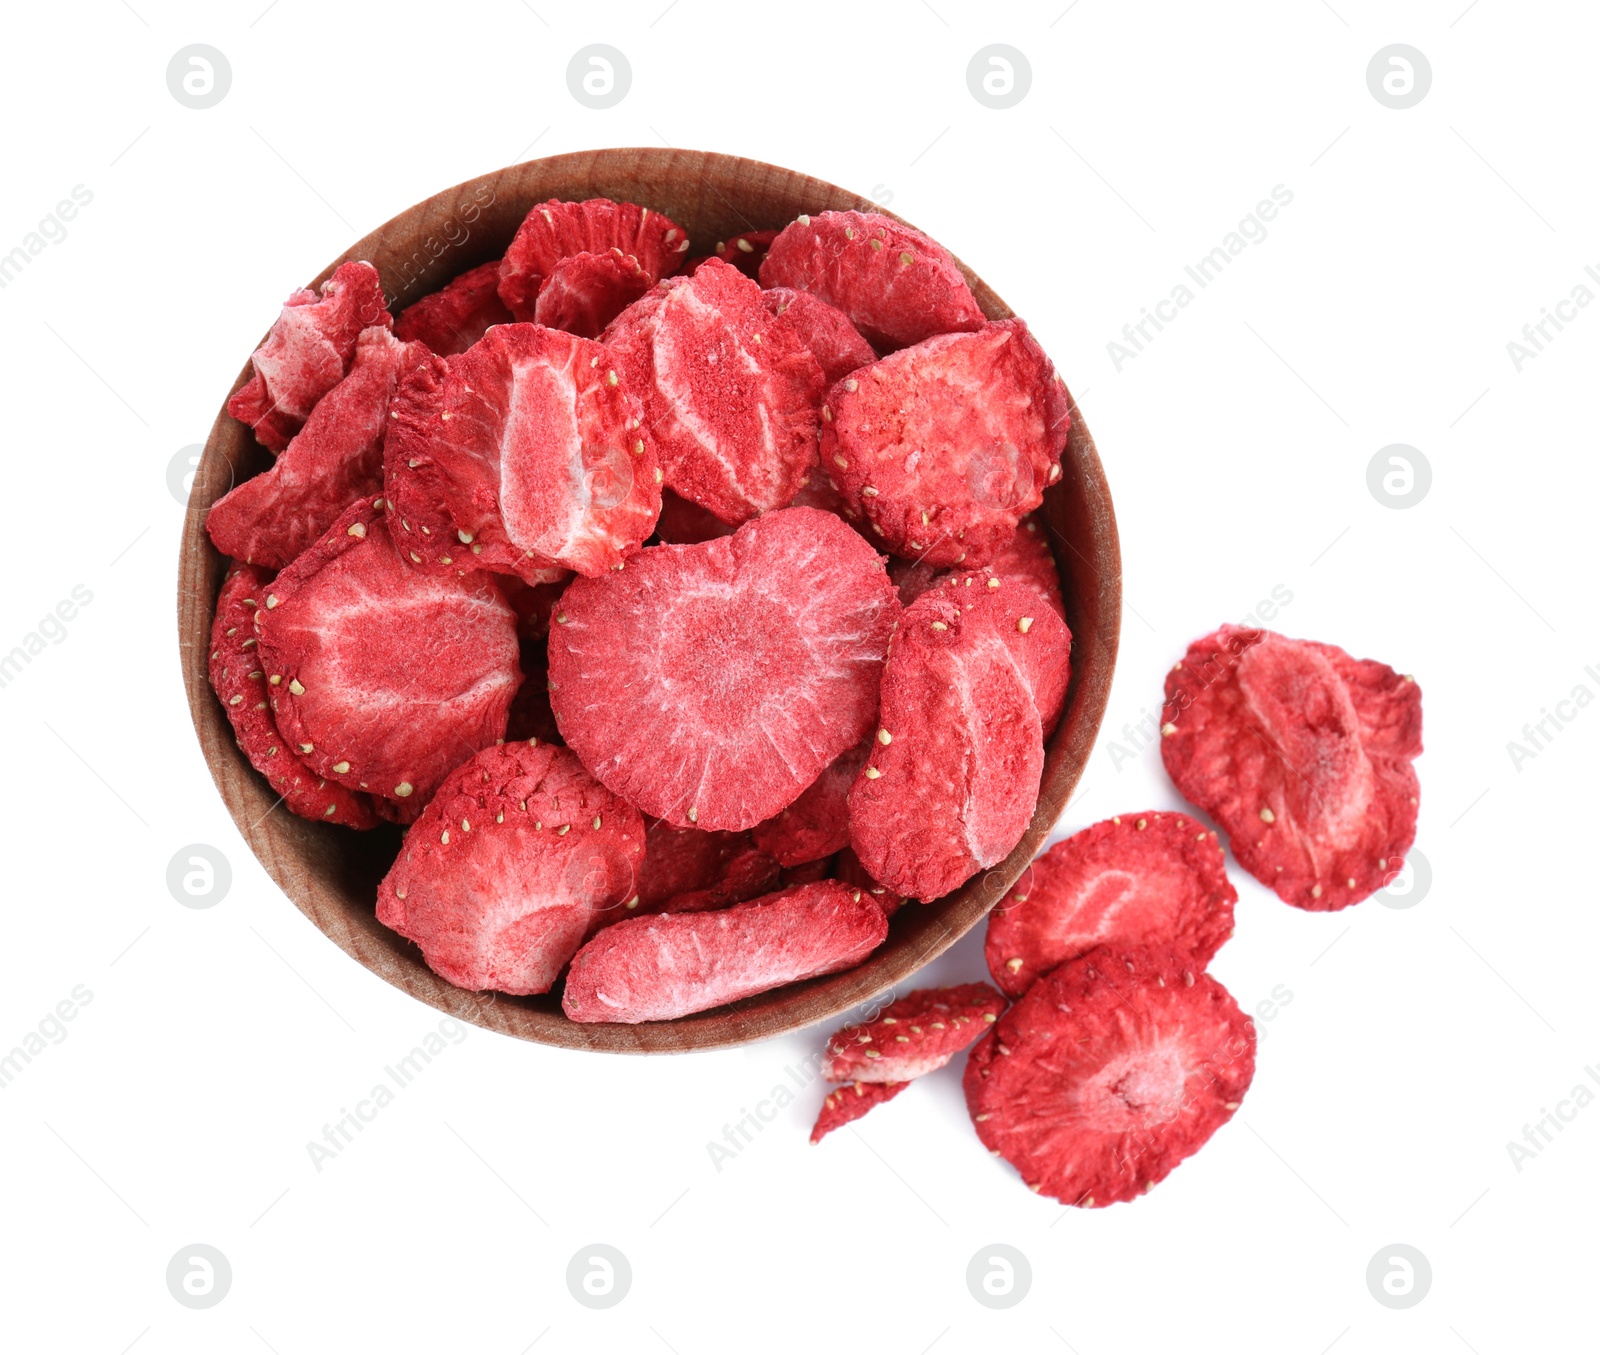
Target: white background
(1418, 1041)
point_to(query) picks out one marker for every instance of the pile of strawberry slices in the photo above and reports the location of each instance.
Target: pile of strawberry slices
(687, 612)
(1106, 1053)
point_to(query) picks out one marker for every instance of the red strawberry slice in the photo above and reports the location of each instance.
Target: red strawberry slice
(848, 867)
(586, 292)
(523, 453)
(955, 767)
(455, 317)
(835, 343)
(913, 1035)
(1303, 756)
(658, 968)
(556, 230)
(335, 459)
(681, 860)
(500, 878)
(896, 285)
(308, 352)
(385, 678)
(731, 395)
(746, 250)
(1109, 1072)
(844, 1104)
(241, 685)
(711, 684)
(1136, 880)
(948, 445)
(748, 875)
(817, 824)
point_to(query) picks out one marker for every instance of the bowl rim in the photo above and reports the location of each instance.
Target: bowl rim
(311, 862)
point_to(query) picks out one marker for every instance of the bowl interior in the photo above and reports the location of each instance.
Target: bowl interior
(332, 874)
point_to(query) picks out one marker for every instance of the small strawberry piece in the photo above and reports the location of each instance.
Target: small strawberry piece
(521, 454)
(308, 352)
(731, 395)
(658, 968)
(586, 292)
(1136, 880)
(558, 230)
(241, 686)
(896, 285)
(1303, 756)
(335, 459)
(711, 684)
(1109, 1072)
(748, 875)
(913, 1035)
(848, 867)
(844, 1104)
(455, 317)
(746, 250)
(499, 879)
(817, 824)
(683, 523)
(947, 446)
(384, 678)
(835, 343)
(954, 773)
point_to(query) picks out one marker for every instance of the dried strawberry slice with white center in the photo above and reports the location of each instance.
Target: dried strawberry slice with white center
(505, 871)
(711, 684)
(1303, 755)
(557, 230)
(731, 394)
(335, 459)
(1135, 880)
(1109, 1072)
(384, 678)
(585, 293)
(308, 352)
(522, 454)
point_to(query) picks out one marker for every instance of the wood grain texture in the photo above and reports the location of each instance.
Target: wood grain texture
(331, 874)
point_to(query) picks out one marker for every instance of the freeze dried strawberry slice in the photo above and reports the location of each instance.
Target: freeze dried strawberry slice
(746, 250)
(848, 867)
(586, 292)
(241, 686)
(557, 230)
(817, 824)
(335, 459)
(680, 860)
(835, 343)
(948, 445)
(683, 523)
(1109, 1072)
(500, 878)
(1148, 879)
(896, 285)
(522, 453)
(731, 395)
(954, 773)
(711, 684)
(1303, 755)
(913, 1035)
(385, 678)
(658, 968)
(455, 317)
(844, 1104)
(308, 352)
(1026, 559)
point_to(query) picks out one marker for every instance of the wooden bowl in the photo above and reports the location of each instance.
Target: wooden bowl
(332, 874)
